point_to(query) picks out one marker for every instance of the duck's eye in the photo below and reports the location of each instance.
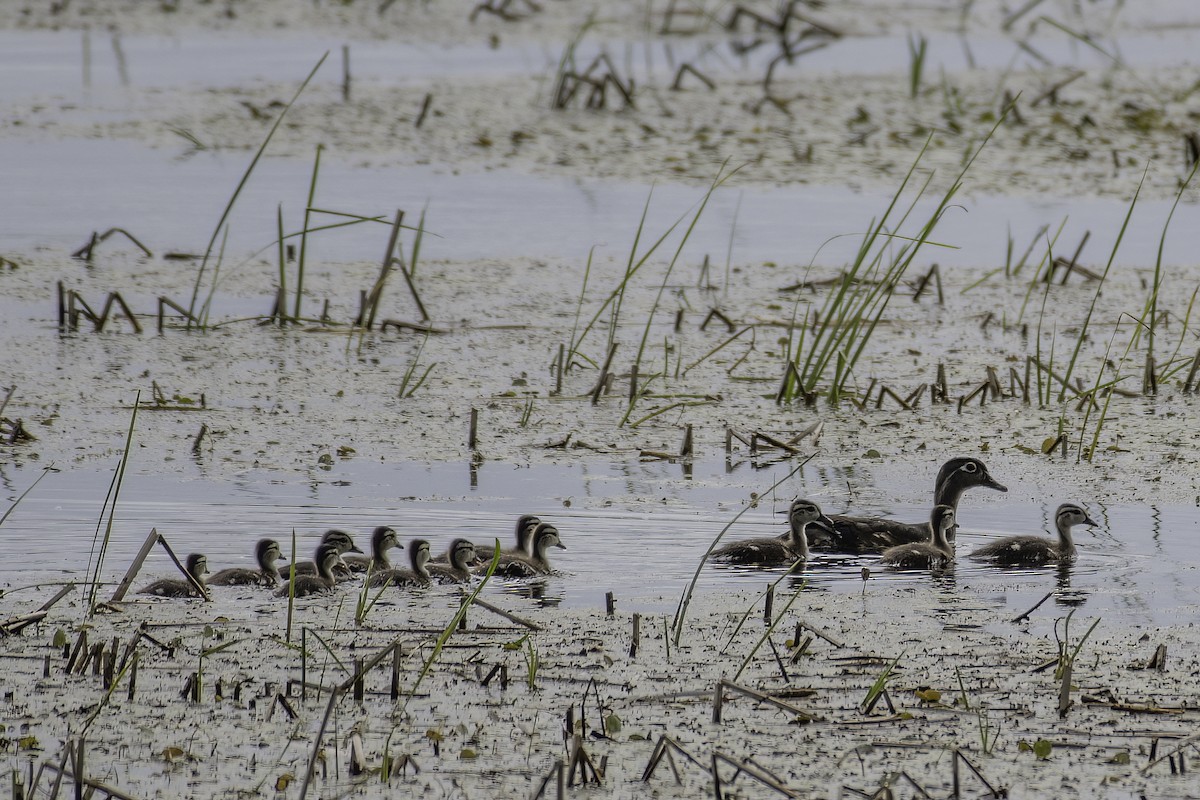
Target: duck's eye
(970, 467)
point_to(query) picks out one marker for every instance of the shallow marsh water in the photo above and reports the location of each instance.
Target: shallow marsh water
(514, 225)
(635, 529)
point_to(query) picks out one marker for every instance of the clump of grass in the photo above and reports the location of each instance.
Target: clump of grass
(854, 308)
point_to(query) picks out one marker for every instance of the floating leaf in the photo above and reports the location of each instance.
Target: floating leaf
(612, 724)
(636, 737)
(1120, 758)
(434, 735)
(468, 753)
(872, 453)
(60, 638)
(281, 783)
(171, 754)
(1024, 746)
(1042, 748)
(1048, 444)
(28, 743)
(929, 695)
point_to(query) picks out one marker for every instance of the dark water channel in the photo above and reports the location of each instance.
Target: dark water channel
(636, 529)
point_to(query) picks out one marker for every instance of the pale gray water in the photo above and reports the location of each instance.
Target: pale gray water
(1142, 565)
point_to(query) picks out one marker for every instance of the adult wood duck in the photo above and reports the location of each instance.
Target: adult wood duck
(382, 539)
(518, 565)
(932, 554)
(340, 540)
(197, 567)
(324, 581)
(1035, 550)
(773, 551)
(266, 553)
(872, 534)
(460, 555)
(417, 576)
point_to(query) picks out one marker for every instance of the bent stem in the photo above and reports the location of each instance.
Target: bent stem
(686, 599)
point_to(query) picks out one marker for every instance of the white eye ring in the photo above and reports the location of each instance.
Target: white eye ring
(970, 467)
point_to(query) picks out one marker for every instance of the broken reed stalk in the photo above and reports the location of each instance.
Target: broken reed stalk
(134, 567)
(110, 501)
(291, 589)
(334, 695)
(686, 599)
(241, 185)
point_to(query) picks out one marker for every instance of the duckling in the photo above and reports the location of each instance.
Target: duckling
(524, 534)
(382, 538)
(344, 543)
(418, 575)
(932, 554)
(515, 565)
(1034, 551)
(460, 555)
(772, 551)
(324, 581)
(197, 567)
(266, 553)
(872, 534)
(525, 526)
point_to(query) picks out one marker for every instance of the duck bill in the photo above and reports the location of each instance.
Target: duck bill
(992, 483)
(1087, 520)
(562, 546)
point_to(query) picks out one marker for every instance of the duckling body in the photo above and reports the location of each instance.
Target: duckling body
(773, 551)
(266, 553)
(383, 538)
(849, 534)
(932, 554)
(519, 565)
(342, 541)
(459, 555)
(417, 576)
(197, 567)
(324, 581)
(1032, 551)
(526, 523)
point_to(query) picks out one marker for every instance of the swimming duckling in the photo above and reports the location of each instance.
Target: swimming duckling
(872, 534)
(460, 555)
(341, 540)
(197, 567)
(417, 576)
(1034, 550)
(324, 581)
(516, 565)
(772, 551)
(382, 538)
(932, 554)
(266, 553)
(524, 534)
(525, 527)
